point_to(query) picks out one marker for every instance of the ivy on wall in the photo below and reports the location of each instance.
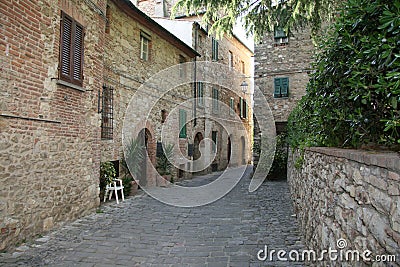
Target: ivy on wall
(353, 95)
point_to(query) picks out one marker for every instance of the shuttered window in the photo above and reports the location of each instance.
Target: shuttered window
(215, 96)
(200, 93)
(71, 50)
(214, 44)
(182, 123)
(243, 108)
(231, 106)
(281, 87)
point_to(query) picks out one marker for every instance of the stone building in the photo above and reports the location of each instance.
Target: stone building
(230, 145)
(282, 64)
(136, 49)
(51, 70)
(68, 70)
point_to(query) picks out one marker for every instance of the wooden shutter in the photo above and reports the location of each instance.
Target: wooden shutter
(65, 47)
(241, 106)
(71, 50)
(285, 87)
(277, 87)
(182, 123)
(244, 108)
(231, 106)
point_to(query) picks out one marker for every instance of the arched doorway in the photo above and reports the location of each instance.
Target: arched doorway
(148, 150)
(197, 152)
(243, 150)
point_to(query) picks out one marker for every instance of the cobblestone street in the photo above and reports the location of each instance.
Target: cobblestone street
(144, 232)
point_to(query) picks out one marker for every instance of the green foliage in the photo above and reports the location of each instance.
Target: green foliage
(107, 174)
(353, 96)
(164, 166)
(135, 154)
(279, 166)
(259, 16)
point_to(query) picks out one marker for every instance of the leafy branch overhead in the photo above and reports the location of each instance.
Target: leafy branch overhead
(259, 16)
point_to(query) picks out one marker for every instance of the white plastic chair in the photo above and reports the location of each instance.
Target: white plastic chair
(114, 187)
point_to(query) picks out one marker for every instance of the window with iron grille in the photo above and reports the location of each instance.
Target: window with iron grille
(214, 55)
(107, 113)
(281, 87)
(71, 50)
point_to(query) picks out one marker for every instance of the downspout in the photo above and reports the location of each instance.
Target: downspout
(195, 77)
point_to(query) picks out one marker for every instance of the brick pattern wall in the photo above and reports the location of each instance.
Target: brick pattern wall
(349, 194)
(49, 132)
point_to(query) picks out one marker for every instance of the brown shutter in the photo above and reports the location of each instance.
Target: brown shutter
(78, 55)
(65, 53)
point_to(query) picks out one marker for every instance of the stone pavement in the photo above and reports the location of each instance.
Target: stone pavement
(144, 232)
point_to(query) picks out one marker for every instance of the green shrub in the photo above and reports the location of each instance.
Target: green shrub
(353, 96)
(107, 174)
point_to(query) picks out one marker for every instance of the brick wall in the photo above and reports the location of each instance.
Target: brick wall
(49, 132)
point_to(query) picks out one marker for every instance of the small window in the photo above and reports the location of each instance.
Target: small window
(200, 93)
(182, 66)
(163, 115)
(214, 135)
(231, 106)
(280, 37)
(281, 87)
(144, 47)
(71, 50)
(243, 108)
(215, 96)
(242, 66)
(182, 123)
(214, 43)
(107, 113)
(108, 18)
(230, 60)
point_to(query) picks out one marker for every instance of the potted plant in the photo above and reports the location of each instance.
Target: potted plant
(134, 154)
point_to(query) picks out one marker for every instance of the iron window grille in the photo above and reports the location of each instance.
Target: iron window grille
(214, 44)
(107, 113)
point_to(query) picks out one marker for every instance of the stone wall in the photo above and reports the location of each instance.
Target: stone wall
(291, 60)
(49, 158)
(349, 194)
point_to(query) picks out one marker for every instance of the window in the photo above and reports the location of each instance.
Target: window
(280, 37)
(144, 46)
(231, 106)
(108, 18)
(215, 96)
(164, 115)
(107, 113)
(230, 60)
(214, 55)
(200, 93)
(243, 108)
(71, 50)
(182, 123)
(281, 87)
(242, 66)
(182, 66)
(214, 135)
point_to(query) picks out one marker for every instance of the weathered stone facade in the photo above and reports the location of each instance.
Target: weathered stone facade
(49, 160)
(290, 60)
(125, 72)
(348, 194)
